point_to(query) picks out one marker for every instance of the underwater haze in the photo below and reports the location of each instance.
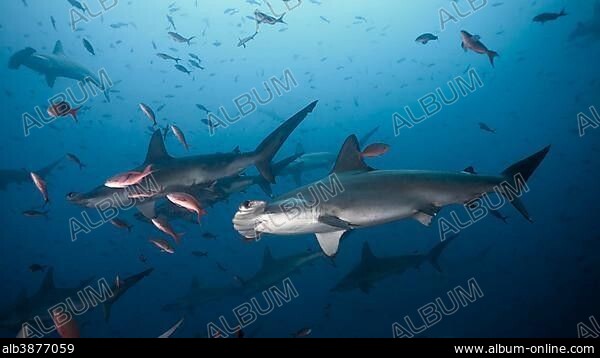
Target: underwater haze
(158, 158)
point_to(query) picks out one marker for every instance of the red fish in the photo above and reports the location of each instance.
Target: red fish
(473, 43)
(164, 226)
(63, 109)
(187, 202)
(41, 186)
(375, 150)
(126, 179)
(68, 329)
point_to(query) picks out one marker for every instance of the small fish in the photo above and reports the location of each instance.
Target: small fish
(262, 18)
(304, 332)
(178, 38)
(375, 150)
(149, 113)
(35, 213)
(473, 43)
(202, 108)
(88, 46)
(142, 258)
(154, 45)
(77, 5)
(164, 226)
(121, 224)
(73, 158)
(485, 127)
(180, 136)
(183, 69)
(187, 202)
(63, 109)
(53, 22)
(425, 38)
(209, 236)
(164, 56)
(163, 245)
(37, 268)
(200, 253)
(245, 40)
(195, 57)
(171, 330)
(40, 184)
(221, 267)
(360, 18)
(549, 16)
(325, 19)
(171, 22)
(195, 64)
(66, 329)
(130, 178)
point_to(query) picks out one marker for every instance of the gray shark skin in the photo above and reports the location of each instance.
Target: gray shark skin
(315, 161)
(124, 286)
(373, 269)
(371, 197)
(55, 65)
(11, 176)
(180, 174)
(590, 30)
(26, 308)
(222, 191)
(274, 270)
(197, 296)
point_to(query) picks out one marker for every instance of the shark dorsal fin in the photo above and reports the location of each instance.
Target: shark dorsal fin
(48, 282)
(58, 49)
(367, 254)
(237, 150)
(267, 258)
(156, 150)
(350, 158)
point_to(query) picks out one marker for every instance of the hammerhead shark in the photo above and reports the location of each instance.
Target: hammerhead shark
(589, 30)
(120, 288)
(180, 174)
(27, 308)
(55, 65)
(13, 176)
(373, 269)
(314, 161)
(370, 197)
(274, 270)
(197, 296)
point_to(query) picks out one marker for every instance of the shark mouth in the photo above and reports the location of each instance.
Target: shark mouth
(246, 219)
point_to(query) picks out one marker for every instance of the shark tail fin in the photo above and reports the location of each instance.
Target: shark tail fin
(45, 171)
(268, 148)
(281, 19)
(492, 55)
(106, 309)
(18, 58)
(517, 175)
(434, 255)
(189, 41)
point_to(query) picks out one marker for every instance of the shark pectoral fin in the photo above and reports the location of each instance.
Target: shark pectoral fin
(147, 209)
(50, 80)
(335, 222)
(329, 241)
(425, 215)
(462, 44)
(423, 218)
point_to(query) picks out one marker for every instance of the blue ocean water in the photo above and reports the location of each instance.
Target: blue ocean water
(360, 60)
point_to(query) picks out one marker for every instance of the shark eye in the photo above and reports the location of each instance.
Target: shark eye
(247, 204)
(71, 195)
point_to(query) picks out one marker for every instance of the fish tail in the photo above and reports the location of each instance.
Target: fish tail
(517, 175)
(281, 19)
(492, 55)
(189, 41)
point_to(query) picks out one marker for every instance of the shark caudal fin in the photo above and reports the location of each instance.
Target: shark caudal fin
(276, 169)
(434, 255)
(119, 291)
(19, 58)
(492, 55)
(268, 148)
(516, 177)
